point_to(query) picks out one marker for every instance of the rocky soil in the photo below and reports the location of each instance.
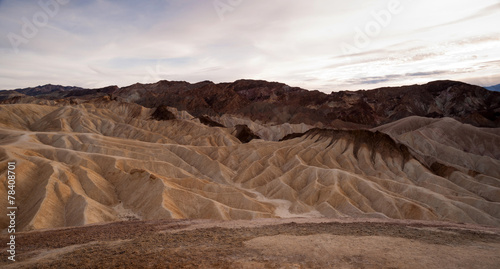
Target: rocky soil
(263, 243)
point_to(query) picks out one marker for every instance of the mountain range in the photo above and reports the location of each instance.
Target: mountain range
(278, 103)
(495, 88)
(251, 149)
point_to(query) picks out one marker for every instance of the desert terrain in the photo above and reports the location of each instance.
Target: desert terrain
(253, 174)
(262, 243)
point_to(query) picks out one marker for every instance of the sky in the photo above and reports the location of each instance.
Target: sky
(326, 45)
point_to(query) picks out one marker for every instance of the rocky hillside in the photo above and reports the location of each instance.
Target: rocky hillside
(248, 150)
(277, 103)
(105, 160)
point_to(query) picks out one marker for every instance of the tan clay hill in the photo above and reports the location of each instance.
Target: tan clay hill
(105, 160)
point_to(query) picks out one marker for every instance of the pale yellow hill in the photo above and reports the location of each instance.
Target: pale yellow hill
(450, 142)
(108, 161)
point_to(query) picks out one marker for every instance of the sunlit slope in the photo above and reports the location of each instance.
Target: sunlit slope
(451, 143)
(109, 161)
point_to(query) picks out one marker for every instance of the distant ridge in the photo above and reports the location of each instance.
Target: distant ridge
(278, 103)
(495, 88)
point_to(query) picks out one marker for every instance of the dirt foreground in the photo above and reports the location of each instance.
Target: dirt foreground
(262, 243)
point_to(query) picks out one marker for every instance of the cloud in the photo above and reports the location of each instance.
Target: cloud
(424, 74)
(106, 42)
(490, 10)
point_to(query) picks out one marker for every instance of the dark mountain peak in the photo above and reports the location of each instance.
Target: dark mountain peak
(205, 82)
(446, 83)
(209, 122)
(170, 83)
(245, 84)
(162, 113)
(111, 88)
(261, 90)
(452, 86)
(48, 88)
(277, 103)
(376, 142)
(243, 133)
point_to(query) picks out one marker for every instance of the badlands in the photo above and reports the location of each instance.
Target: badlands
(118, 160)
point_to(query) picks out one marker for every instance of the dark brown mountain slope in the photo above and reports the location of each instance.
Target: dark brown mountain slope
(273, 102)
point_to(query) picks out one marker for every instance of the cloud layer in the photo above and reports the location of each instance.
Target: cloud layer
(319, 44)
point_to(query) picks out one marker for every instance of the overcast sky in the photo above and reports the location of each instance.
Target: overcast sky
(328, 45)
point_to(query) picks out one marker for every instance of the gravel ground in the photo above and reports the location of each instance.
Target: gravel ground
(266, 243)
